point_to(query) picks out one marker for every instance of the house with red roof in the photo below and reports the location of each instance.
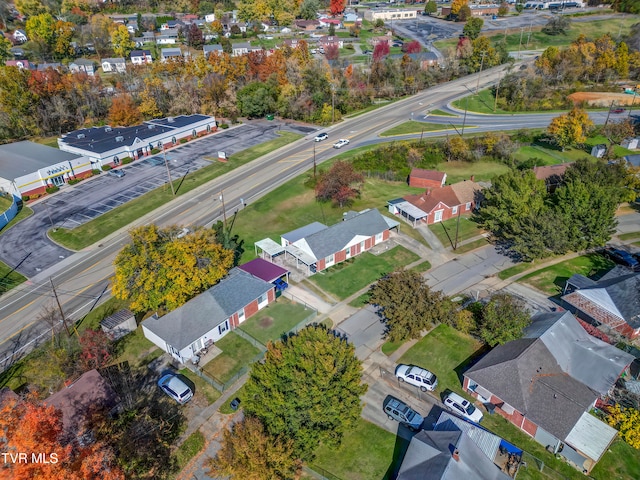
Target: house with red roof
(422, 178)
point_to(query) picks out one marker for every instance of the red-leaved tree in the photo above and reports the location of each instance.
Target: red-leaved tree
(339, 184)
(336, 7)
(96, 349)
(412, 47)
(331, 51)
(380, 51)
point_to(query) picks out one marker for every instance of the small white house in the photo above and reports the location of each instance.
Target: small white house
(170, 54)
(83, 65)
(210, 17)
(630, 143)
(140, 57)
(239, 49)
(20, 36)
(113, 65)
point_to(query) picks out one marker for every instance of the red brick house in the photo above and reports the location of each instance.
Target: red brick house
(546, 383)
(209, 316)
(437, 204)
(427, 178)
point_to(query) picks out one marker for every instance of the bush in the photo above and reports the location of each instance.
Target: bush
(53, 189)
(25, 198)
(126, 160)
(96, 172)
(183, 140)
(224, 126)
(106, 168)
(73, 181)
(155, 151)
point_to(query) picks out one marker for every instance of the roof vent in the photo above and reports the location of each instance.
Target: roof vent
(151, 127)
(119, 138)
(171, 119)
(108, 129)
(81, 135)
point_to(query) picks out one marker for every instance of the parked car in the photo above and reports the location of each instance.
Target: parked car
(175, 388)
(462, 407)
(420, 377)
(622, 257)
(183, 232)
(401, 412)
(341, 143)
(116, 173)
(320, 137)
(618, 110)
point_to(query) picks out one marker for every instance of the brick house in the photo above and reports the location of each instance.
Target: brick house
(546, 383)
(209, 316)
(427, 178)
(330, 41)
(614, 300)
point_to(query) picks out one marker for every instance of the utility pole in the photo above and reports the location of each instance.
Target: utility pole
(480, 73)
(632, 102)
(55, 294)
(333, 103)
(609, 113)
(464, 120)
(314, 160)
(166, 164)
(224, 210)
(455, 246)
(520, 44)
(495, 102)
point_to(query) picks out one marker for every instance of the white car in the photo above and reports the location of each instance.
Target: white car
(341, 143)
(420, 377)
(175, 388)
(320, 137)
(462, 407)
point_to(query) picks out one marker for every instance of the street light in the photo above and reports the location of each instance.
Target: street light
(224, 210)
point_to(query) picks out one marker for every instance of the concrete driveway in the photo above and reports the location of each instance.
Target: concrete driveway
(365, 330)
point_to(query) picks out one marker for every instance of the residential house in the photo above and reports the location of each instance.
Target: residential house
(427, 178)
(633, 160)
(113, 65)
(546, 383)
(552, 175)
(437, 204)
(19, 36)
(205, 319)
(239, 49)
(167, 54)
(109, 145)
(292, 42)
(212, 50)
(630, 143)
(77, 402)
(131, 29)
(167, 37)
(42, 67)
(210, 17)
(265, 270)
(307, 25)
(83, 65)
(446, 455)
(425, 60)
(330, 41)
(613, 301)
(326, 22)
(17, 52)
(321, 248)
(140, 57)
(242, 26)
(21, 64)
(350, 19)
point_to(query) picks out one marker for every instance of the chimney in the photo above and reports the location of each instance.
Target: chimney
(456, 455)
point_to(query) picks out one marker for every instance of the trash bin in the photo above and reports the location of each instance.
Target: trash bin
(270, 116)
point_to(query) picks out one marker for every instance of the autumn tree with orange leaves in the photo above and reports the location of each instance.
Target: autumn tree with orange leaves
(340, 184)
(32, 446)
(124, 111)
(336, 7)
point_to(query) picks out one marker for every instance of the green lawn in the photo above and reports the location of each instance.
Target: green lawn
(629, 236)
(412, 126)
(389, 347)
(203, 387)
(515, 270)
(482, 171)
(551, 280)
(446, 231)
(95, 230)
(23, 213)
(467, 247)
(441, 113)
(445, 352)
(346, 278)
(367, 452)
(276, 320)
(483, 102)
(376, 105)
(620, 461)
(5, 203)
(192, 446)
(9, 278)
(545, 155)
(236, 354)
(360, 301)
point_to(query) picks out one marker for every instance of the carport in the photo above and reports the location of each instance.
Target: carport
(301, 257)
(406, 210)
(268, 247)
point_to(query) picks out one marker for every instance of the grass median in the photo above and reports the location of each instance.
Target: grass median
(97, 229)
(414, 127)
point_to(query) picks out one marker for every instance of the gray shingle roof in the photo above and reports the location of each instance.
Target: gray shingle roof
(22, 158)
(295, 235)
(186, 324)
(335, 238)
(553, 374)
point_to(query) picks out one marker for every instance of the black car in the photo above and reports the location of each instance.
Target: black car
(623, 258)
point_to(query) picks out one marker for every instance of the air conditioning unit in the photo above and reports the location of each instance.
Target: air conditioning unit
(108, 129)
(151, 127)
(171, 119)
(119, 138)
(81, 135)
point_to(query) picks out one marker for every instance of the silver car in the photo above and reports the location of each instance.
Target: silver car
(175, 388)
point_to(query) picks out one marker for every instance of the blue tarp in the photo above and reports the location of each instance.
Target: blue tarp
(510, 448)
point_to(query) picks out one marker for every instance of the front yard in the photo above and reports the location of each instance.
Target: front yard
(237, 353)
(446, 231)
(347, 278)
(271, 323)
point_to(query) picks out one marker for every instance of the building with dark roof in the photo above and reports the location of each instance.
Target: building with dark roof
(140, 57)
(614, 300)
(546, 382)
(109, 145)
(265, 270)
(28, 168)
(209, 316)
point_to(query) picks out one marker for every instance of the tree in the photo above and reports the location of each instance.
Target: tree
(309, 9)
(627, 422)
(41, 30)
(571, 128)
(472, 27)
(339, 184)
(95, 349)
(331, 51)
(464, 13)
(250, 453)
(121, 41)
(503, 319)
(5, 50)
(430, 7)
(195, 38)
(123, 111)
(257, 99)
(519, 6)
(307, 389)
(412, 47)
(157, 270)
(616, 132)
(380, 51)
(456, 5)
(407, 305)
(557, 25)
(503, 11)
(336, 7)
(30, 8)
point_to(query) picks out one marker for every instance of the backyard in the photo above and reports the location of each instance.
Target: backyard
(237, 353)
(274, 321)
(551, 280)
(346, 278)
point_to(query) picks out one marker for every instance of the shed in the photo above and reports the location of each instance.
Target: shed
(598, 151)
(630, 143)
(119, 324)
(426, 178)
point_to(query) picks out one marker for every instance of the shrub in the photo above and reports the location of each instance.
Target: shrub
(96, 172)
(25, 198)
(155, 151)
(224, 126)
(53, 189)
(126, 160)
(183, 140)
(106, 168)
(73, 181)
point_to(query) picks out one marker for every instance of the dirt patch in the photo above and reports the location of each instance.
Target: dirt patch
(602, 99)
(265, 322)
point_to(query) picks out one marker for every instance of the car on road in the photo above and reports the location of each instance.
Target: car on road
(622, 257)
(401, 412)
(175, 388)
(116, 173)
(417, 376)
(618, 110)
(183, 232)
(341, 143)
(367, 52)
(462, 407)
(320, 137)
